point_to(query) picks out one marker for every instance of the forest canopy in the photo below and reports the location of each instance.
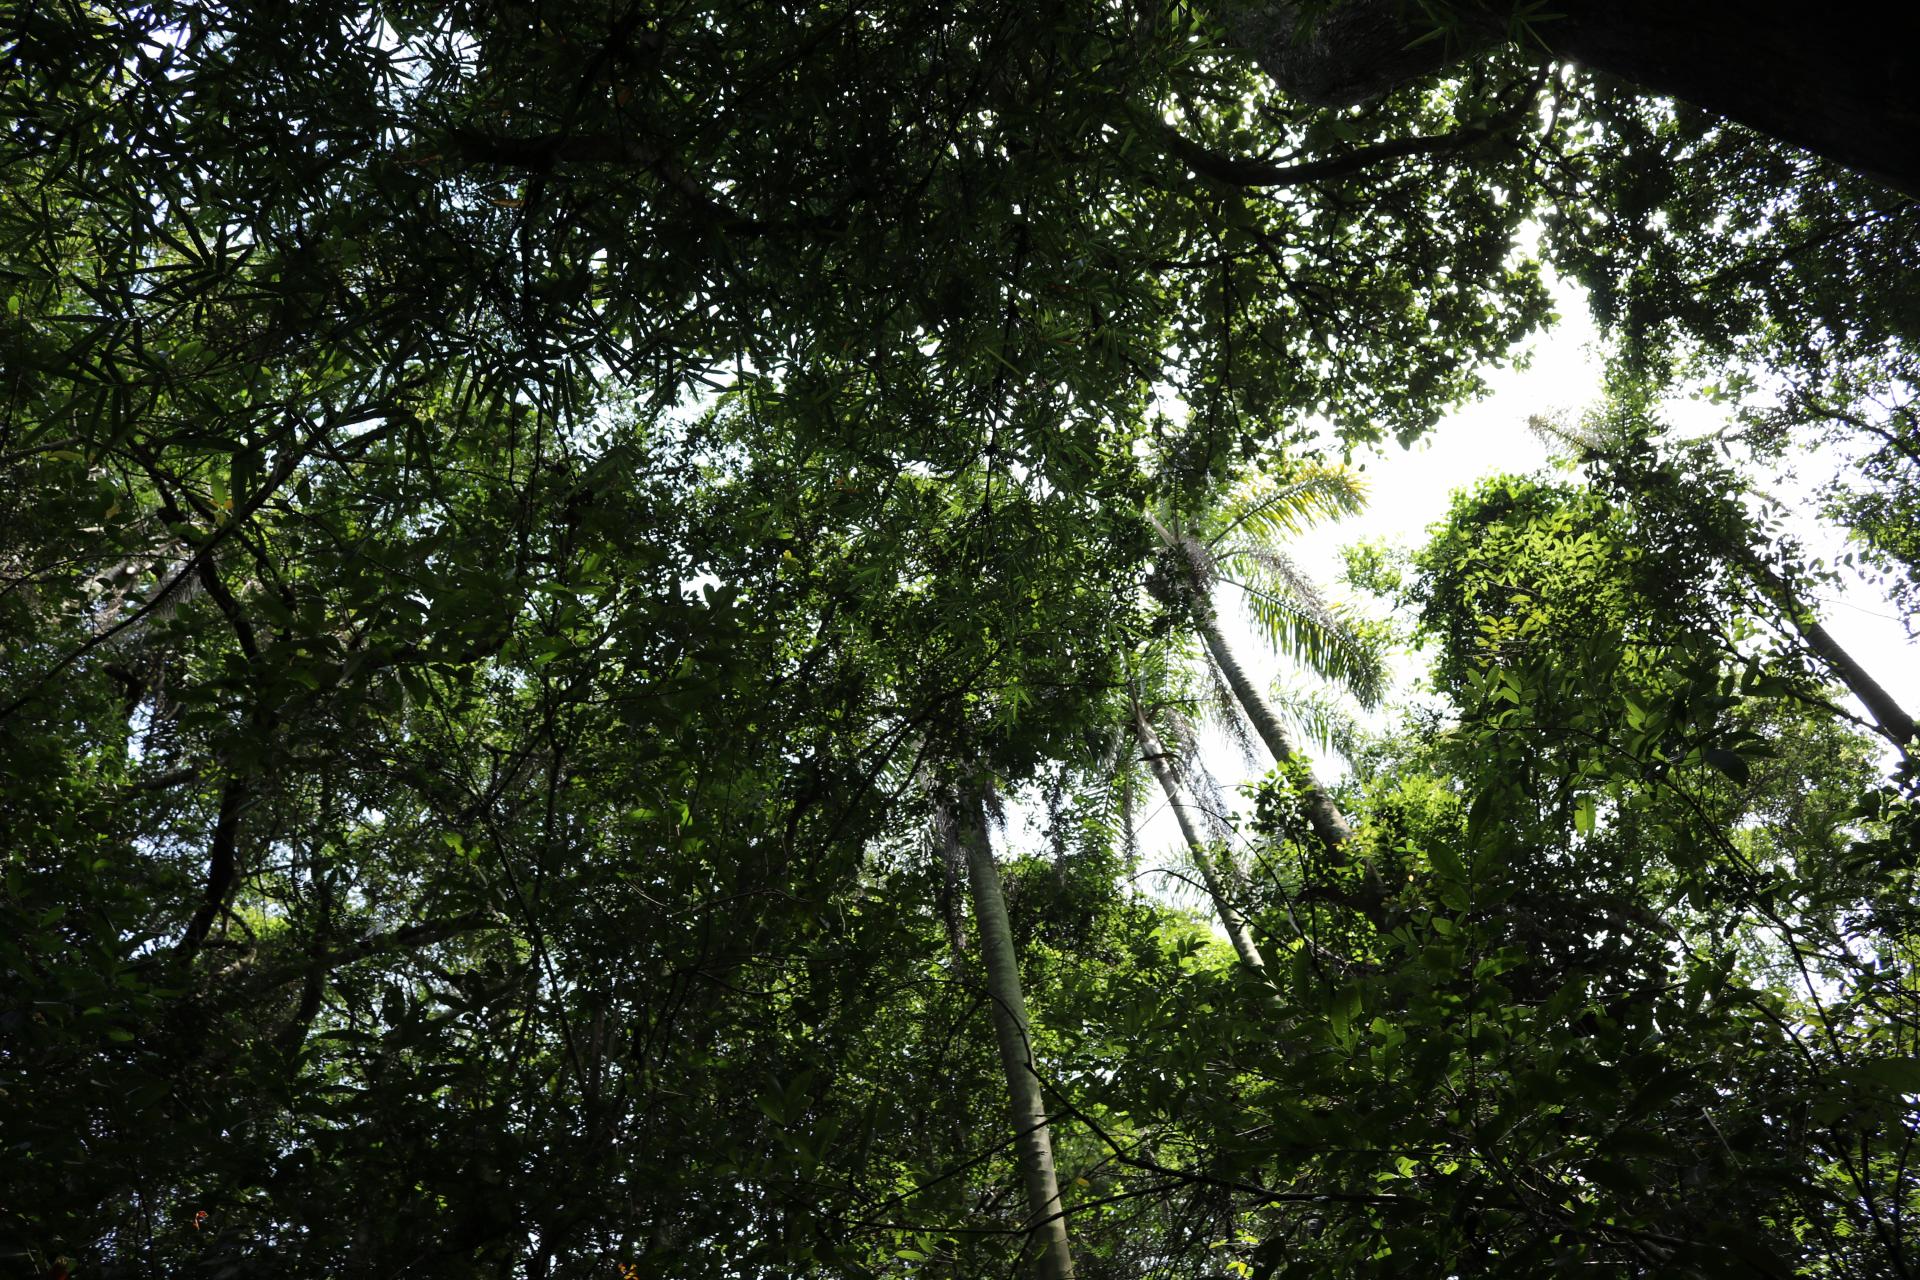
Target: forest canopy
(594, 599)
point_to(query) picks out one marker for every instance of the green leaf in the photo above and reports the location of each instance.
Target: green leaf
(1729, 763)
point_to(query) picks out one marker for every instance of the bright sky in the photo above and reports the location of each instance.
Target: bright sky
(1410, 490)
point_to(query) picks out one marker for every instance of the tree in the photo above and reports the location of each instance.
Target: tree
(1830, 86)
(1225, 897)
(1706, 512)
(964, 822)
(1601, 712)
(1614, 971)
(1238, 538)
(503, 503)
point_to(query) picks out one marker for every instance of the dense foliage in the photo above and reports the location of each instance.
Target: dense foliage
(532, 536)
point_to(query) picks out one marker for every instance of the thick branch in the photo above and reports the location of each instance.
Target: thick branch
(222, 866)
(1893, 721)
(542, 152)
(1835, 80)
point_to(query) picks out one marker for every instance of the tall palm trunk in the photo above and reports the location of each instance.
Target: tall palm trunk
(1239, 933)
(1325, 817)
(1047, 1227)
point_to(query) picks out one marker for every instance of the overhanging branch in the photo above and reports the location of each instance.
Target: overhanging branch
(1239, 171)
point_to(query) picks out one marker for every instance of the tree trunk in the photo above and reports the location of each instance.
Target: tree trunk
(1239, 933)
(1325, 816)
(1894, 722)
(1831, 80)
(1047, 1227)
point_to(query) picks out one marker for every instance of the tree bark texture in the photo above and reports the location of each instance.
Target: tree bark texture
(1836, 80)
(1052, 1259)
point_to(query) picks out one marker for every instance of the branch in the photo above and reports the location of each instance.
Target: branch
(1190, 1177)
(202, 555)
(222, 867)
(405, 938)
(1240, 171)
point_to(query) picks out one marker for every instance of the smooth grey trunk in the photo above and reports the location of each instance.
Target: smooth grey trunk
(1835, 80)
(1893, 720)
(1239, 933)
(1047, 1238)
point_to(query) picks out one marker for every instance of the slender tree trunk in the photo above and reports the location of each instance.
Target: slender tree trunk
(1325, 816)
(1895, 724)
(1047, 1238)
(1837, 80)
(1239, 933)
(1661, 493)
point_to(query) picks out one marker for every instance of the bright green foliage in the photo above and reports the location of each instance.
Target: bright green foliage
(1639, 997)
(1618, 1012)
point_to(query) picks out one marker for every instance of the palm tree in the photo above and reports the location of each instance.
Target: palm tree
(1237, 543)
(1226, 904)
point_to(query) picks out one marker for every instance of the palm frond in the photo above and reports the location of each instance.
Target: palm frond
(1224, 710)
(1273, 570)
(1207, 796)
(1319, 638)
(1178, 732)
(1269, 509)
(995, 805)
(1320, 720)
(1554, 431)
